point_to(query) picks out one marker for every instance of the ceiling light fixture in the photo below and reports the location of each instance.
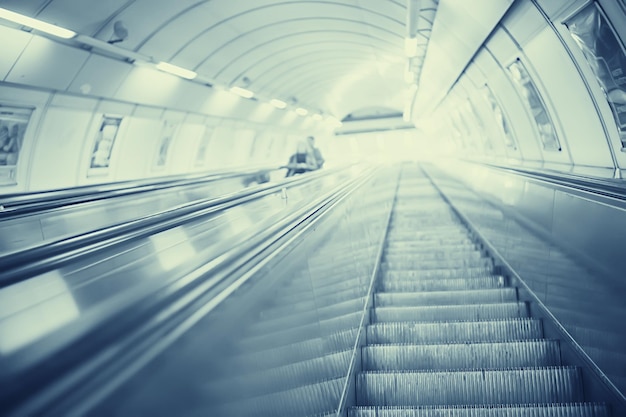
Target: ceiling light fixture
(301, 112)
(36, 24)
(176, 70)
(410, 47)
(279, 104)
(242, 92)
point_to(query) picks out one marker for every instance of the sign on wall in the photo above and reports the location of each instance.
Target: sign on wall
(203, 145)
(605, 54)
(13, 124)
(536, 106)
(167, 136)
(103, 144)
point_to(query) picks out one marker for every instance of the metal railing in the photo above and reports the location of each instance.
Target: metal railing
(63, 377)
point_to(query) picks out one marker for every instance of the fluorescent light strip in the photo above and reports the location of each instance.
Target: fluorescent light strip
(301, 112)
(279, 104)
(410, 47)
(317, 117)
(176, 70)
(242, 92)
(36, 24)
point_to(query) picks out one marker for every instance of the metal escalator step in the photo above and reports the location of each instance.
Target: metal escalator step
(506, 386)
(455, 331)
(448, 313)
(325, 312)
(332, 285)
(432, 254)
(331, 366)
(434, 235)
(319, 398)
(431, 298)
(443, 284)
(324, 298)
(437, 264)
(505, 410)
(408, 247)
(313, 347)
(401, 241)
(438, 273)
(313, 316)
(484, 355)
(301, 332)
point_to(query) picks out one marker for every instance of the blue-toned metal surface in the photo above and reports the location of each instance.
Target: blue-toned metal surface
(568, 250)
(19, 232)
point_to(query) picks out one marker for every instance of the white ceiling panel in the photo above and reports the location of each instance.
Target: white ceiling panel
(85, 17)
(334, 56)
(45, 63)
(13, 42)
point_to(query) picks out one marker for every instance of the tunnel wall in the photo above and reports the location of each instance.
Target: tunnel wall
(563, 243)
(494, 117)
(531, 98)
(68, 99)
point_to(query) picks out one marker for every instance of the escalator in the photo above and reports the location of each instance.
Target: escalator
(446, 335)
(388, 307)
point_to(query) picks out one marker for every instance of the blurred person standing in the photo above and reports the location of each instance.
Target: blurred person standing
(317, 155)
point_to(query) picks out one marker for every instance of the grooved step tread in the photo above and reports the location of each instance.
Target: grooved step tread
(455, 331)
(309, 307)
(452, 312)
(484, 355)
(520, 410)
(432, 298)
(442, 284)
(262, 358)
(506, 386)
(465, 272)
(281, 378)
(313, 399)
(302, 332)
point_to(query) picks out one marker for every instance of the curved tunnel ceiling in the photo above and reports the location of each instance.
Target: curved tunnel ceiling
(330, 56)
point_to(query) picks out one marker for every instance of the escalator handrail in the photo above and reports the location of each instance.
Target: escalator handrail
(507, 268)
(144, 325)
(344, 401)
(611, 188)
(14, 205)
(39, 258)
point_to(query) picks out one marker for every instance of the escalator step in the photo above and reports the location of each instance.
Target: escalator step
(455, 332)
(342, 307)
(523, 410)
(302, 332)
(281, 378)
(430, 298)
(443, 284)
(259, 358)
(406, 264)
(448, 313)
(314, 399)
(437, 273)
(430, 254)
(531, 353)
(508, 386)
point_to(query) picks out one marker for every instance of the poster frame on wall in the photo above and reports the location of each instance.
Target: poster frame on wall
(102, 146)
(13, 125)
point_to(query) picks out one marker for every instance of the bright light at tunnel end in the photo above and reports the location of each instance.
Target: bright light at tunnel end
(36, 24)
